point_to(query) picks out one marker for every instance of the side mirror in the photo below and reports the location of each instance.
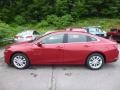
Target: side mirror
(39, 44)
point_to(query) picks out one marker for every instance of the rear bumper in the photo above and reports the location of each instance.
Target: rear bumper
(114, 60)
(113, 56)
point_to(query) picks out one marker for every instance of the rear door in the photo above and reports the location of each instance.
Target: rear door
(77, 48)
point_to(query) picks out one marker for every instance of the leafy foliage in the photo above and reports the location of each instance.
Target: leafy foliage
(17, 15)
(19, 20)
(10, 30)
(31, 11)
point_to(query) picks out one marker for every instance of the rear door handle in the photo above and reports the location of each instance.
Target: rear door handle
(59, 47)
(86, 45)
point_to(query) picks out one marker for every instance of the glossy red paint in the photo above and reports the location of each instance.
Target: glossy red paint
(64, 53)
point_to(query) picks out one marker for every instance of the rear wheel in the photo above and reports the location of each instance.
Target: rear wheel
(20, 61)
(95, 61)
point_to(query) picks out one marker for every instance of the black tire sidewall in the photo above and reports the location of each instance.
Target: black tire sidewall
(95, 54)
(26, 58)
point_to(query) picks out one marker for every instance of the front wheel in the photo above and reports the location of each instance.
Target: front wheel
(95, 61)
(20, 61)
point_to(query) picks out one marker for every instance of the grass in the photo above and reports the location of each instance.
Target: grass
(106, 24)
(10, 30)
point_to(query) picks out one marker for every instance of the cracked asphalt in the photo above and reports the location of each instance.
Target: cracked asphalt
(59, 77)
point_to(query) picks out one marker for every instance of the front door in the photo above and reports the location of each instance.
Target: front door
(52, 53)
(51, 50)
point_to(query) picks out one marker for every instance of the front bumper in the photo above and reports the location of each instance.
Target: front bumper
(7, 56)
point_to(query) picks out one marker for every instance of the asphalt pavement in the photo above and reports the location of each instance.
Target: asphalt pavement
(59, 77)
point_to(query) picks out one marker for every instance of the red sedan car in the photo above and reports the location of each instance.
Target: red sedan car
(63, 47)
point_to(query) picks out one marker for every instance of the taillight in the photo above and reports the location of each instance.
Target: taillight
(29, 37)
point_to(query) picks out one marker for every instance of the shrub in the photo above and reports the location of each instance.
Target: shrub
(43, 23)
(7, 31)
(59, 22)
(4, 33)
(4, 30)
(64, 21)
(52, 19)
(20, 20)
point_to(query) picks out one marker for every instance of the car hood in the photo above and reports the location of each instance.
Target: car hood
(19, 45)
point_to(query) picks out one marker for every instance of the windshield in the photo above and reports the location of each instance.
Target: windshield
(36, 39)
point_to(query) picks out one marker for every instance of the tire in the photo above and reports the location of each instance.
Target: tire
(20, 61)
(95, 61)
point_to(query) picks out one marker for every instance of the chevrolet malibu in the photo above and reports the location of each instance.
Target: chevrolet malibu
(63, 47)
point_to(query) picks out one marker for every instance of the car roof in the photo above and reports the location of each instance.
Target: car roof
(75, 32)
(76, 29)
(64, 31)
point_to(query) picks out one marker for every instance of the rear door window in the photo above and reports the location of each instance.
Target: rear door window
(80, 38)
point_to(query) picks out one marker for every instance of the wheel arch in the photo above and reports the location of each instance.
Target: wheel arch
(98, 53)
(18, 52)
